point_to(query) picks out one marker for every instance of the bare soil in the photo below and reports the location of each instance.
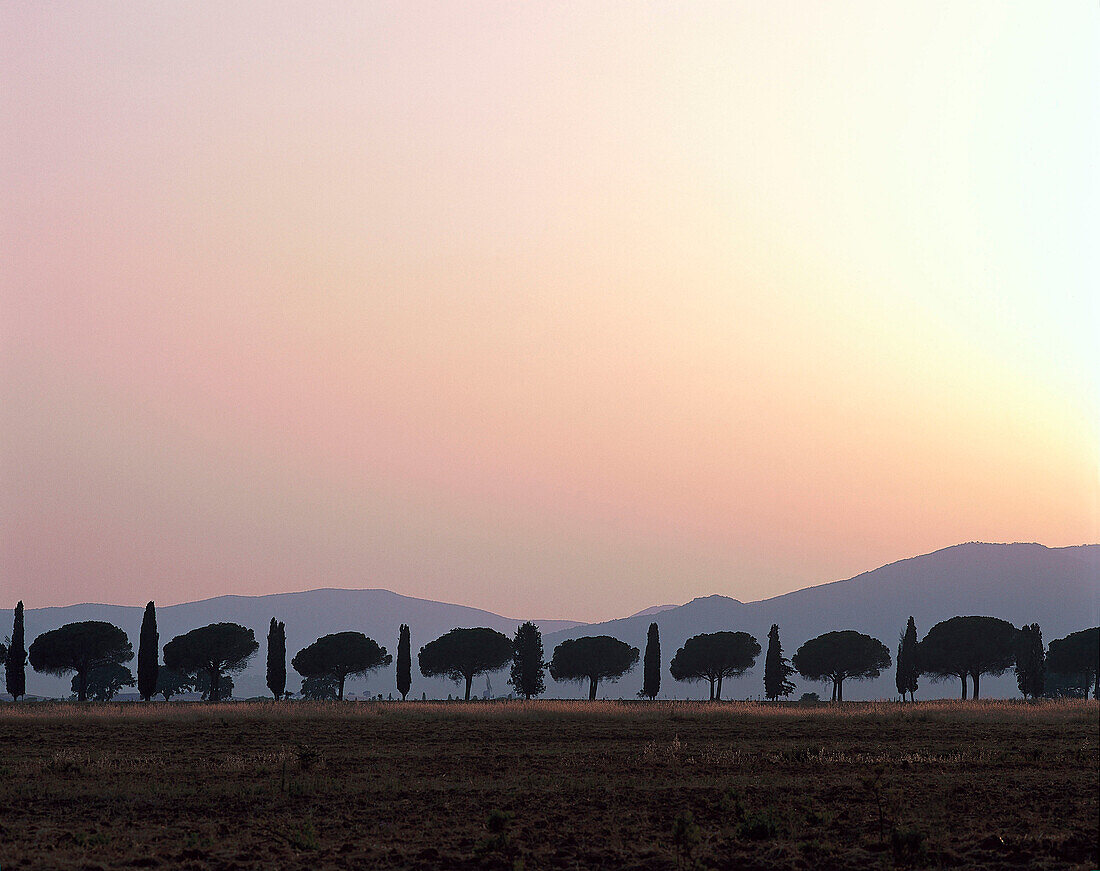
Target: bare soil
(550, 785)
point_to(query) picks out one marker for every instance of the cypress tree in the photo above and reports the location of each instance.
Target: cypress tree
(15, 669)
(526, 676)
(1030, 661)
(905, 678)
(777, 669)
(148, 654)
(276, 658)
(404, 662)
(651, 664)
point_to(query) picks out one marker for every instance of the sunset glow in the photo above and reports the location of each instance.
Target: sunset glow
(561, 310)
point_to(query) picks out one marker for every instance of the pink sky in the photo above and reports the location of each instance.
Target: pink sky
(561, 311)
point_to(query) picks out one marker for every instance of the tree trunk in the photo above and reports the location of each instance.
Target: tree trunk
(82, 686)
(469, 680)
(593, 682)
(833, 699)
(404, 694)
(215, 684)
(711, 688)
(718, 691)
(340, 692)
(964, 686)
(975, 675)
(840, 690)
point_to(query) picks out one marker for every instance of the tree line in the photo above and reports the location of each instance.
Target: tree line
(205, 659)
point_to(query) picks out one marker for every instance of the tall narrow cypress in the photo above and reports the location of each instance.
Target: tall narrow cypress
(276, 658)
(15, 669)
(776, 668)
(651, 664)
(907, 669)
(148, 654)
(526, 675)
(1031, 664)
(404, 662)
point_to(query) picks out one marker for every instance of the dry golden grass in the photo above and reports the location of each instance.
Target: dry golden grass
(957, 711)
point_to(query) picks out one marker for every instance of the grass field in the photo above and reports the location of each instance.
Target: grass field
(549, 785)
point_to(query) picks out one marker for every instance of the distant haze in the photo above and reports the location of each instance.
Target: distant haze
(557, 309)
(1057, 587)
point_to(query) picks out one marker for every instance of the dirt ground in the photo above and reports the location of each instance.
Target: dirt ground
(550, 785)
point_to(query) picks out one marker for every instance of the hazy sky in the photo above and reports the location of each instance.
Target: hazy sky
(561, 310)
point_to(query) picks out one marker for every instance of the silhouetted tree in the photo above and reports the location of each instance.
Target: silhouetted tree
(225, 687)
(1060, 685)
(777, 670)
(276, 658)
(171, 683)
(1076, 654)
(211, 653)
(714, 656)
(104, 681)
(404, 662)
(839, 656)
(965, 646)
(15, 668)
(340, 656)
(148, 654)
(592, 658)
(3, 653)
(1030, 661)
(905, 679)
(651, 664)
(320, 688)
(80, 647)
(527, 662)
(462, 654)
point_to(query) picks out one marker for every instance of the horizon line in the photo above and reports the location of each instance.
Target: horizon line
(565, 619)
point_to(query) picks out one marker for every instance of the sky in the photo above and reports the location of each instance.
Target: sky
(559, 310)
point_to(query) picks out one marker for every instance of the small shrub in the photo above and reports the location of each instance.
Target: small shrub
(498, 821)
(874, 783)
(907, 844)
(95, 839)
(64, 762)
(307, 757)
(500, 839)
(685, 838)
(195, 841)
(729, 804)
(818, 853)
(815, 817)
(304, 837)
(760, 826)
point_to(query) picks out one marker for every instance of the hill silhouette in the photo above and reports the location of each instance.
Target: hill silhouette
(308, 615)
(1057, 587)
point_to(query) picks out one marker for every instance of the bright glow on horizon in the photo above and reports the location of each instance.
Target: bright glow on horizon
(555, 310)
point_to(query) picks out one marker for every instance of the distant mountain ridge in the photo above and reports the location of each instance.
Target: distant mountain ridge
(1057, 587)
(655, 609)
(308, 615)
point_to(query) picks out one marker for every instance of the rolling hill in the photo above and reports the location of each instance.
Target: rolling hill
(307, 615)
(1057, 587)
